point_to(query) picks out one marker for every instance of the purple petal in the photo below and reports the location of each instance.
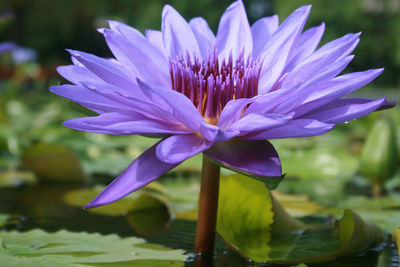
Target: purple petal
(205, 37)
(76, 74)
(295, 128)
(253, 158)
(123, 124)
(300, 92)
(180, 107)
(139, 56)
(259, 122)
(134, 36)
(178, 37)
(234, 33)
(152, 108)
(261, 32)
(343, 110)
(233, 111)
(318, 61)
(275, 54)
(215, 134)
(177, 148)
(146, 168)
(107, 70)
(386, 105)
(267, 102)
(346, 84)
(337, 88)
(87, 98)
(305, 45)
(156, 39)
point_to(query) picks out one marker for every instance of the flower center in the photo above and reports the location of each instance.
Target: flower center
(211, 85)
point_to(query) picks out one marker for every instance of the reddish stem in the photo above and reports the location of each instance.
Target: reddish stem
(208, 207)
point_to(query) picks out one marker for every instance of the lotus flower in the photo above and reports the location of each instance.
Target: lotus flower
(223, 95)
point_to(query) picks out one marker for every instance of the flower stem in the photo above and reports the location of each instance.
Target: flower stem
(208, 206)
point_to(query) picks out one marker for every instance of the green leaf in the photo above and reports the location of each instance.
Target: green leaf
(16, 178)
(81, 197)
(384, 211)
(246, 216)
(297, 205)
(319, 162)
(39, 248)
(54, 163)
(148, 215)
(179, 194)
(254, 223)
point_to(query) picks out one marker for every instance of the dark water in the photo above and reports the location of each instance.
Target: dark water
(41, 207)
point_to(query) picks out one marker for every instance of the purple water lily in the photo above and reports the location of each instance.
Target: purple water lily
(223, 95)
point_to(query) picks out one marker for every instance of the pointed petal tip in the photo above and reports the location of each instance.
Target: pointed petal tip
(167, 8)
(386, 104)
(67, 123)
(304, 9)
(74, 53)
(102, 30)
(112, 23)
(376, 72)
(53, 88)
(95, 203)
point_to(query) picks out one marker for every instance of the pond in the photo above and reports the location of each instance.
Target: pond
(42, 207)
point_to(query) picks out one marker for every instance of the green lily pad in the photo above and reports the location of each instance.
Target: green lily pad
(246, 216)
(63, 248)
(54, 163)
(297, 205)
(148, 215)
(319, 162)
(81, 197)
(179, 194)
(385, 211)
(263, 232)
(16, 178)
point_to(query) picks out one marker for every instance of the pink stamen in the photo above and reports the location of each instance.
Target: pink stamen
(211, 84)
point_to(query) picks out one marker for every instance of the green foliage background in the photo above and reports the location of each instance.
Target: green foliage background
(51, 26)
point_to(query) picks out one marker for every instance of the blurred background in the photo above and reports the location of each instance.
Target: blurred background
(40, 160)
(49, 27)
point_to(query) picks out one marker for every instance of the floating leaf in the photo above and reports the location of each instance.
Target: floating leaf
(262, 231)
(148, 215)
(179, 194)
(81, 197)
(384, 211)
(54, 163)
(319, 162)
(39, 248)
(298, 205)
(16, 178)
(246, 215)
